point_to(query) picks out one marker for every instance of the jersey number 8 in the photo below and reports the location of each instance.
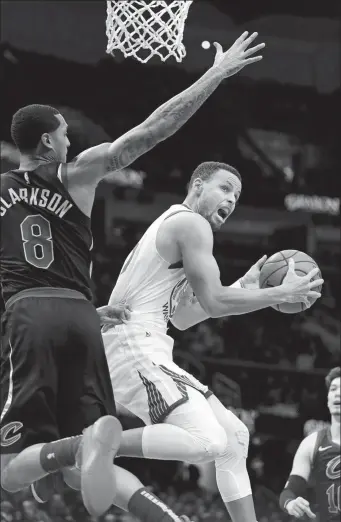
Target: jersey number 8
(37, 241)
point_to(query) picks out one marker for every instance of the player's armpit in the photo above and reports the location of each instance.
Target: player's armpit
(89, 167)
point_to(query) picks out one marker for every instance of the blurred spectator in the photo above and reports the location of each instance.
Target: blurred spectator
(33, 514)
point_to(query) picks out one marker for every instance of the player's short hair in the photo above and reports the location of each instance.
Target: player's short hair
(30, 122)
(206, 170)
(333, 374)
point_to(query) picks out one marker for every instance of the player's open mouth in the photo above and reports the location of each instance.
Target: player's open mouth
(223, 213)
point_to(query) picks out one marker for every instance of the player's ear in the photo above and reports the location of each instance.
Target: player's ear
(46, 140)
(198, 185)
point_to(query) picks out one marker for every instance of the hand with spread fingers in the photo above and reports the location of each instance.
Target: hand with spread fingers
(111, 316)
(238, 56)
(251, 279)
(300, 289)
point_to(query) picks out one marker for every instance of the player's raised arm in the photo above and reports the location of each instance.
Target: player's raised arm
(292, 499)
(93, 164)
(195, 240)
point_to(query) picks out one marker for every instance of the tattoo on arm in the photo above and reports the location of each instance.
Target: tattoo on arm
(164, 122)
(133, 145)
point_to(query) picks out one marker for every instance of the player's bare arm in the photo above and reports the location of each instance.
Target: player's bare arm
(189, 311)
(94, 164)
(292, 499)
(195, 241)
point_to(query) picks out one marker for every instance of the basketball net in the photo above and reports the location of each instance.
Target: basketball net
(143, 29)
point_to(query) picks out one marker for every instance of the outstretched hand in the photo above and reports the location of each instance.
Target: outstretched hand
(238, 56)
(251, 279)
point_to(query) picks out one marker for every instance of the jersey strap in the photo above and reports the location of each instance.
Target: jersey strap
(177, 212)
(178, 264)
(61, 175)
(320, 436)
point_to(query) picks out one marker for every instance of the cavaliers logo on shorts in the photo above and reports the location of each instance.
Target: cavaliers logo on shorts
(9, 433)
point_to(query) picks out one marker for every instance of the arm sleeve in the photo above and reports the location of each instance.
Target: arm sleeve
(295, 487)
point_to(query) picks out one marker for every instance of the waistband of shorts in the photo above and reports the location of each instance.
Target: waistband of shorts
(44, 291)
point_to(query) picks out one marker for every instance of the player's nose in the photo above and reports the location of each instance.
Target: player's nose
(231, 199)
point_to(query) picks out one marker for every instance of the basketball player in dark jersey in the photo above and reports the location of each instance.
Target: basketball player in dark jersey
(54, 374)
(318, 460)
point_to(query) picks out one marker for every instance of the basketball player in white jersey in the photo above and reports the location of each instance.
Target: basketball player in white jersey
(172, 263)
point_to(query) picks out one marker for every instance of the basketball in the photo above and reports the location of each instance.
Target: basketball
(274, 271)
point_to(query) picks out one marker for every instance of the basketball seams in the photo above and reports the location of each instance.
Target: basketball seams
(268, 262)
(272, 273)
(284, 258)
(281, 261)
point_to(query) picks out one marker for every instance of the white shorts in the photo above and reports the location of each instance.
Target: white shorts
(144, 377)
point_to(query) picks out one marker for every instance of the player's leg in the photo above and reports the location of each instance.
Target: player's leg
(232, 475)
(191, 432)
(36, 329)
(85, 399)
(229, 450)
(152, 392)
(28, 381)
(131, 495)
(88, 371)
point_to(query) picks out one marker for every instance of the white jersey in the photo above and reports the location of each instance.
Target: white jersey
(144, 377)
(149, 284)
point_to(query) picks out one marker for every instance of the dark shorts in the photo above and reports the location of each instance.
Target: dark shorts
(54, 374)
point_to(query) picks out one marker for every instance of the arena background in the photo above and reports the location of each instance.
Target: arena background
(277, 122)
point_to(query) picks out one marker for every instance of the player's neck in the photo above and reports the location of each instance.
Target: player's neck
(190, 203)
(335, 430)
(31, 162)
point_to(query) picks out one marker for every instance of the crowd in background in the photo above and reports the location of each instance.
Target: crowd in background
(198, 505)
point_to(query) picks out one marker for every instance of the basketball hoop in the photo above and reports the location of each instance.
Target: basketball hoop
(142, 29)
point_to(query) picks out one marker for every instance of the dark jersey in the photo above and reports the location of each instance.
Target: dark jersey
(45, 238)
(326, 473)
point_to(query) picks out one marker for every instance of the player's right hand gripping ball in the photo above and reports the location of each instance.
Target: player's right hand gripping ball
(274, 271)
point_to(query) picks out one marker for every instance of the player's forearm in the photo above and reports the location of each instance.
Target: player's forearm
(238, 301)
(173, 114)
(295, 487)
(189, 312)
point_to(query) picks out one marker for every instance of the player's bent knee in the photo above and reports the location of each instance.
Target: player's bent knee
(243, 438)
(5, 475)
(217, 443)
(237, 448)
(237, 433)
(7, 482)
(208, 445)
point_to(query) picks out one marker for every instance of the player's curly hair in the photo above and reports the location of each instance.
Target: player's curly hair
(333, 374)
(30, 122)
(206, 170)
